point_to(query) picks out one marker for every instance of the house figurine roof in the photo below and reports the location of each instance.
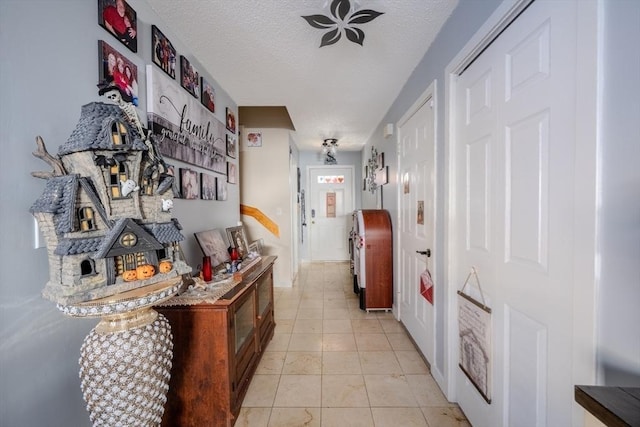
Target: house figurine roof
(93, 130)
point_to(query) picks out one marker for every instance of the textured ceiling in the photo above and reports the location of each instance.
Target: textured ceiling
(263, 53)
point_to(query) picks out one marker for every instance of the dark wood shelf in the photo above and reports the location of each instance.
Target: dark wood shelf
(613, 406)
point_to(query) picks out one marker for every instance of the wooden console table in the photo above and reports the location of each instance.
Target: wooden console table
(217, 347)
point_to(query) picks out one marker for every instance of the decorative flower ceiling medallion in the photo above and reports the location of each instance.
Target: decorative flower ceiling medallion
(343, 17)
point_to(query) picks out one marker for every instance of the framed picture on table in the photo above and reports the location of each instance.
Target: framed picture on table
(238, 240)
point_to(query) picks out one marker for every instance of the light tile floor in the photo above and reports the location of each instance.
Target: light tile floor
(331, 364)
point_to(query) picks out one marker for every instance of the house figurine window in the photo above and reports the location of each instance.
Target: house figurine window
(147, 186)
(119, 134)
(128, 240)
(117, 173)
(87, 268)
(86, 219)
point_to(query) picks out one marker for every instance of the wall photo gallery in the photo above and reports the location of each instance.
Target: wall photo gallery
(119, 19)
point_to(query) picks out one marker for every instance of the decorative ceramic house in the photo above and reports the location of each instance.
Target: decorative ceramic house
(105, 212)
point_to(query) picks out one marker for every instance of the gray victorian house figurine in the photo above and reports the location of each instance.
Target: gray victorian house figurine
(113, 250)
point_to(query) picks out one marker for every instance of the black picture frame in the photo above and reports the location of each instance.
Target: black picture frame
(163, 53)
(221, 190)
(207, 95)
(232, 146)
(115, 68)
(121, 24)
(231, 120)
(189, 185)
(189, 77)
(231, 173)
(207, 186)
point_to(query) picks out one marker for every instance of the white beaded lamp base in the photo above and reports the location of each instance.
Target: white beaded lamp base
(125, 366)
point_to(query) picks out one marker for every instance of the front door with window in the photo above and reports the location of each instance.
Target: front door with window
(330, 209)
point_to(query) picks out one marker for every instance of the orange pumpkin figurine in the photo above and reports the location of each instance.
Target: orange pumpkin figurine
(145, 271)
(129, 275)
(165, 266)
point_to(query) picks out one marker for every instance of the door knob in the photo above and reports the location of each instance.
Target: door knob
(427, 253)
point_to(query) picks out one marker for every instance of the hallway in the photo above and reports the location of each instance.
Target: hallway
(331, 364)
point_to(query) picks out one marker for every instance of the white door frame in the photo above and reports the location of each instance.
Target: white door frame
(586, 177)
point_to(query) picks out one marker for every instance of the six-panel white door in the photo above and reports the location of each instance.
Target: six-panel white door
(416, 194)
(513, 155)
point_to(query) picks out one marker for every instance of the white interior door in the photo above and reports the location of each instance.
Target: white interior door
(417, 220)
(330, 209)
(513, 195)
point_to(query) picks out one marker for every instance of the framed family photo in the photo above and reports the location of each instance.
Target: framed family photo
(207, 186)
(231, 173)
(221, 190)
(254, 139)
(117, 69)
(189, 77)
(189, 186)
(231, 121)
(232, 142)
(208, 95)
(238, 240)
(120, 19)
(164, 54)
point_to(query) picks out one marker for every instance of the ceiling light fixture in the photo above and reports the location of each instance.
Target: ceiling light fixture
(343, 16)
(329, 150)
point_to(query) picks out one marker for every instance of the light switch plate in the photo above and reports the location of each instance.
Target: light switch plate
(38, 238)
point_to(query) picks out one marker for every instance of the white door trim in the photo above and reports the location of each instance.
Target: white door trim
(587, 178)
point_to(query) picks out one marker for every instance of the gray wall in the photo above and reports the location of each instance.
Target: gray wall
(48, 70)
(619, 232)
(465, 20)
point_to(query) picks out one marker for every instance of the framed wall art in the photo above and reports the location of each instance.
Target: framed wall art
(189, 186)
(171, 170)
(164, 54)
(207, 186)
(231, 173)
(254, 139)
(120, 19)
(219, 163)
(117, 69)
(231, 121)
(232, 142)
(221, 190)
(168, 107)
(189, 77)
(208, 95)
